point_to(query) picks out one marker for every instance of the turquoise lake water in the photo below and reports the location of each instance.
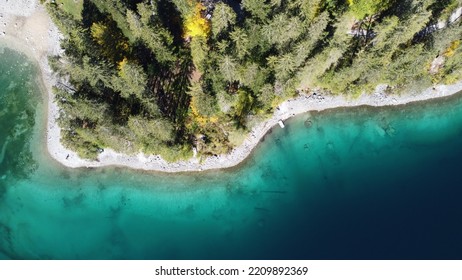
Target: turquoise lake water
(358, 183)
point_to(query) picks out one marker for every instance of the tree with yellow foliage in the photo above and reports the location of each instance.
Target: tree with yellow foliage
(98, 31)
(195, 24)
(113, 44)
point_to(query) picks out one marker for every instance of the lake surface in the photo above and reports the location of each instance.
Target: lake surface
(358, 183)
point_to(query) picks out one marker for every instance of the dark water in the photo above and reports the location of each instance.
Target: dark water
(355, 184)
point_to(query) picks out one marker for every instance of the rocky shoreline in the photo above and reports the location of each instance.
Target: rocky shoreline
(288, 109)
(26, 27)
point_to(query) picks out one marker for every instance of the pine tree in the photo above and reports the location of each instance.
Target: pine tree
(223, 18)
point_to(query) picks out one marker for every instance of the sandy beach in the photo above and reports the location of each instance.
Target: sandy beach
(26, 27)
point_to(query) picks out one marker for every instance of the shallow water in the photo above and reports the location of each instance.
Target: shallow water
(355, 184)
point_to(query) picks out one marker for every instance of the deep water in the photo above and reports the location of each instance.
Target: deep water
(358, 183)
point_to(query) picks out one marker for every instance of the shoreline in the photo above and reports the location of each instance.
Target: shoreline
(27, 28)
(286, 110)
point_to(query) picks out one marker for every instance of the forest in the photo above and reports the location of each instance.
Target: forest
(167, 77)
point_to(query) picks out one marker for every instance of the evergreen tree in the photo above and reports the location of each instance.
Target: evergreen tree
(223, 18)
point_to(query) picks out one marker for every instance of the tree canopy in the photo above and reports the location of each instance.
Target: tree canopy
(167, 76)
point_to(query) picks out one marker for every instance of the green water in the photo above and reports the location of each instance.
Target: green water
(357, 184)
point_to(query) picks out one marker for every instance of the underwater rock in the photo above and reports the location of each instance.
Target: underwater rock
(308, 123)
